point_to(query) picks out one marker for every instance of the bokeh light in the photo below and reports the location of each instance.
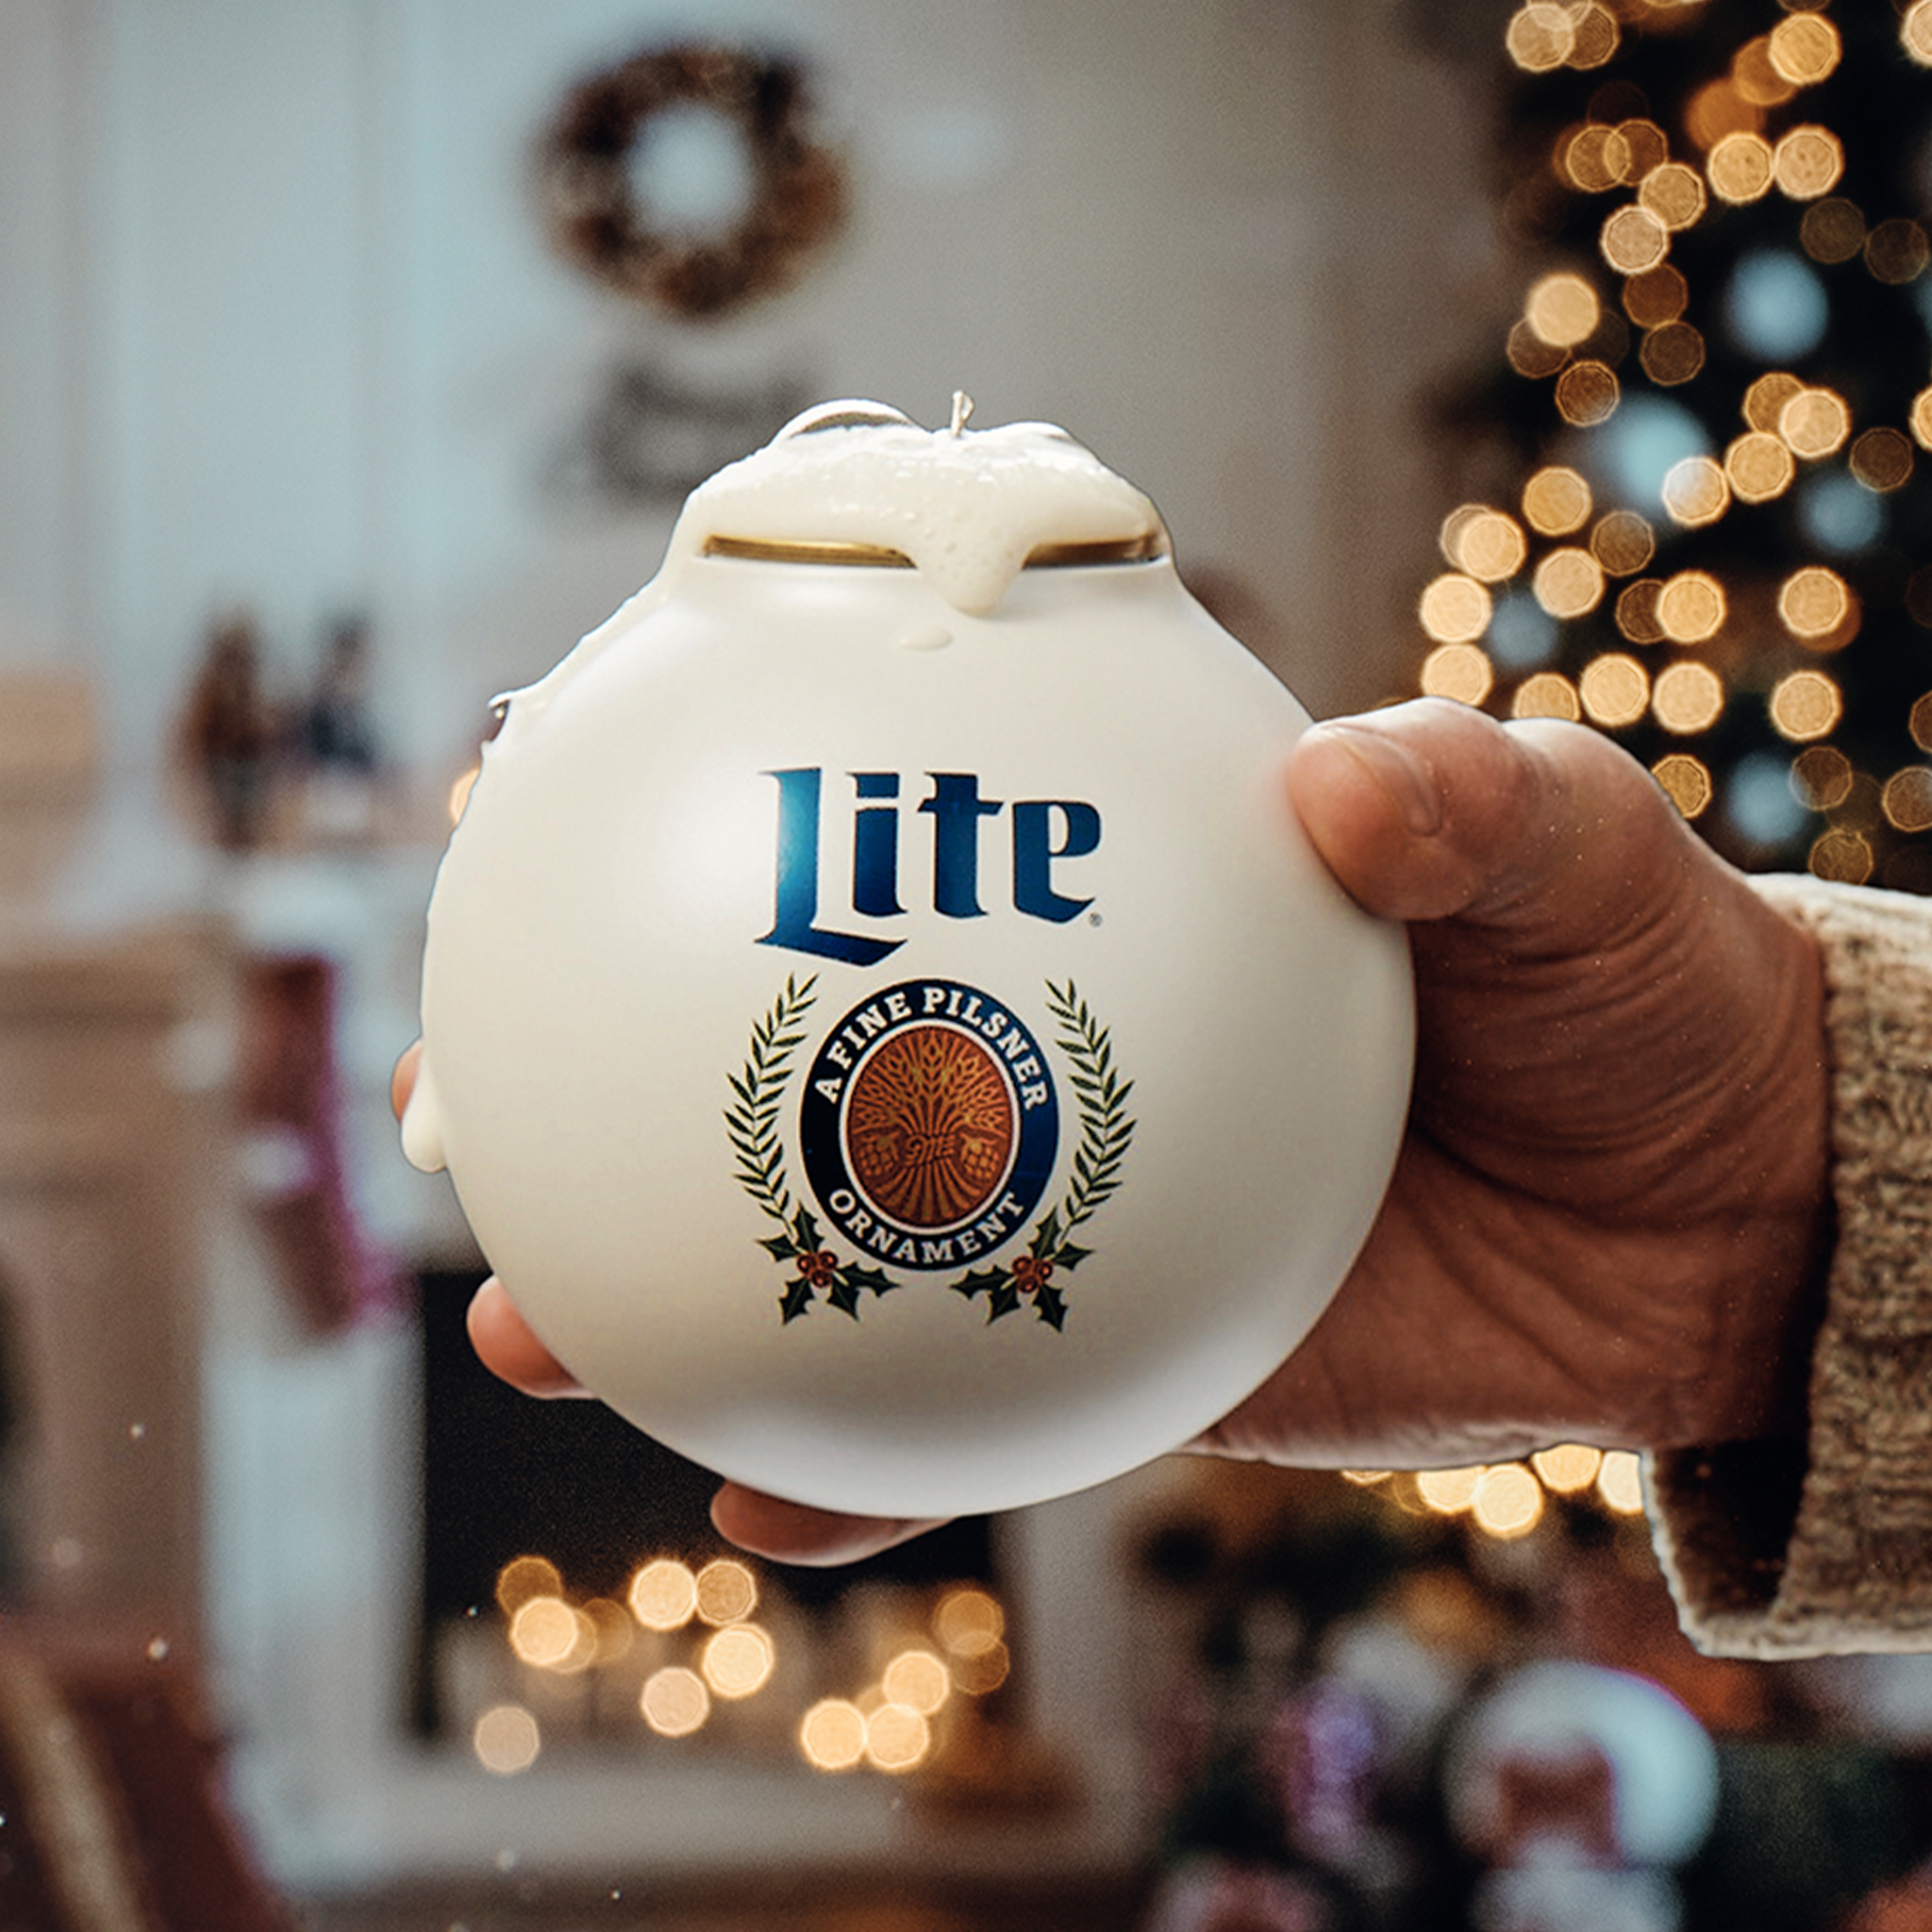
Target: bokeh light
(1687, 782)
(1568, 1468)
(1765, 400)
(1530, 356)
(738, 1660)
(1896, 251)
(1620, 1482)
(1448, 1491)
(1655, 297)
(1882, 460)
(1562, 310)
(550, 1634)
(1805, 705)
(1808, 162)
(896, 1740)
(1920, 722)
(918, 1680)
(1815, 422)
(1922, 419)
(1756, 77)
(1687, 697)
(1821, 777)
(1454, 609)
(1906, 800)
(1742, 168)
(1636, 611)
(1634, 240)
(1458, 671)
(1569, 583)
(1615, 689)
(1508, 1502)
(831, 1735)
(664, 1594)
(1915, 32)
(675, 1702)
(506, 1740)
(1833, 230)
(724, 1591)
(1588, 394)
(1696, 492)
(1623, 542)
(523, 1577)
(1691, 607)
(1593, 157)
(1759, 465)
(1813, 603)
(968, 1621)
(1673, 193)
(1804, 48)
(1673, 354)
(1541, 36)
(1843, 857)
(1555, 501)
(1546, 695)
(1491, 546)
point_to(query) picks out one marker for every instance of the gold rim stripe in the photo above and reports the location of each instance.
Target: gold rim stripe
(1146, 548)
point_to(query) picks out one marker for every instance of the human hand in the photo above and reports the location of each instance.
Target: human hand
(1611, 1208)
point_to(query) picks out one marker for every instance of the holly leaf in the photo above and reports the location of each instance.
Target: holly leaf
(1004, 1300)
(796, 1299)
(1047, 1236)
(970, 1285)
(874, 1278)
(1069, 1258)
(805, 1231)
(1051, 1306)
(843, 1293)
(781, 1248)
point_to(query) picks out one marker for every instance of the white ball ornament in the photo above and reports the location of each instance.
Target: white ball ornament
(882, 1020)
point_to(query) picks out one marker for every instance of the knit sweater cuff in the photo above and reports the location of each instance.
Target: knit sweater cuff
(1778, 1550)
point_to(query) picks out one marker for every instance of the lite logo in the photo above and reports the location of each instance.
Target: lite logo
(1043, 832)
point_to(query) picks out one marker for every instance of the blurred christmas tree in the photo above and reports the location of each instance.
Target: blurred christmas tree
(1699, 497)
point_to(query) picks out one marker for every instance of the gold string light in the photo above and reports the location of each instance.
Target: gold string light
(1692, 606)
(1588, 394)
(1821, 777)
(1623, 542)
(1657, 296)
(1804, 49)
(1615, 689)
(1636, 611)
(1569, 582)
(1742, 168)
(1808, 162)
(1759, 466)
(1546, 695)
(1557, 501)
(1673, 354)
(1696, 492)
(1833, 230)
(1896, 251)
(1688, 697)
(1686, 781)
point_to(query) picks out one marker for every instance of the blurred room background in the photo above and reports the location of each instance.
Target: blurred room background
(325, 416)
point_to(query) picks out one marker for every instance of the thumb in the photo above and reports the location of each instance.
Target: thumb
(1433, 811)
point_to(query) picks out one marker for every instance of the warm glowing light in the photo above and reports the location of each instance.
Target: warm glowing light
(1757, 79)
(664, 1594)
(459, 793)
(1673, 193)
(896, 1739)
(1458, 671)
(1882, 460)
(1569, 1467)
(1655, 297)
(1742, 168)
(1449, 1491)
(1922, 419)
(979, 1672)
(1906, 800)
(1563, 309)
(1815, 422)
(1765, 400)
(523, 1577)
(1673, 354)
(1808, 162)
(1813, 601)
(547, 1632)
(1759, 466)
(1594, 159)
(506, 1740)
(1846, 858)
(1596, 36)
(612, 1631)
(1833, 230)
(1547, 694)
(725, 1592)
(1821, 777)
(1686, 782)
(1688, 697)
(1569, 582)
(1623, 542)
(1541, 36)
(1491, 546)
(1896, 251)
(1718, 110)
(1365, 1478)
(918, 1680)
(1636, 609)
(1647, 144)
(1508, 1502)
(675, 1702)
(1633, 240)
(1620, 1482)
(1691, 607)
(1588, 394)
(1454, 609)
(1805, 705)
(1804, 48)
(738, 1660)
(831, 1735)
(1915, 32)
(1557, 501)
(1530, 356)
(1615, 689)
(1921, 723)
(968, 1621)
(1696, 492)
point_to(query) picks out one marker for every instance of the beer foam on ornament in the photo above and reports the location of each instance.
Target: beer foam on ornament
(967, 507)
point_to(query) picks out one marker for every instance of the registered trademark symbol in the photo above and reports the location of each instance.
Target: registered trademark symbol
(1094, 919)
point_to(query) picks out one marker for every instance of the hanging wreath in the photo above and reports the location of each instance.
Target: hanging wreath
(590, 198)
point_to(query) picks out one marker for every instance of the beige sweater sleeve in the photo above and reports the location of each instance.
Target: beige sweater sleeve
(1790, 1551)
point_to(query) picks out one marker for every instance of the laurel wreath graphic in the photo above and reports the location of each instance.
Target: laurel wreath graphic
(1106, 1131)
(752, 1123)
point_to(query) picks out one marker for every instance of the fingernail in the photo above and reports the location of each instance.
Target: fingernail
(1403, 776)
